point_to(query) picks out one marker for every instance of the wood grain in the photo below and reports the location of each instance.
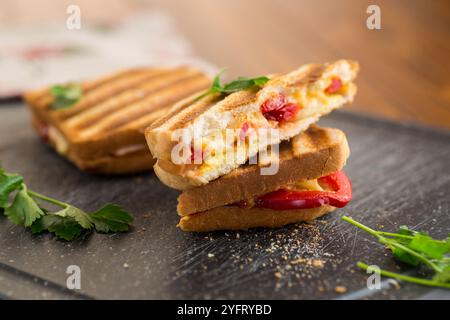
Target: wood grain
(405, 66)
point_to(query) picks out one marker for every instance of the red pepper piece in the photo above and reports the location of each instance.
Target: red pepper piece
(285, 113)
(283, 199)
(335, 86)
(273, 103)
(196, 155)
(278, 109)
(244, 130)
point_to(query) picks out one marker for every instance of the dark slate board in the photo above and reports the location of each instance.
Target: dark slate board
(400, 176)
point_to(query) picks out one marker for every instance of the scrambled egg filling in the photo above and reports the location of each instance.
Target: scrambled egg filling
(311, 100)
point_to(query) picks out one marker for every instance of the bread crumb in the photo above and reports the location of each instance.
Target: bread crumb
(297, 261)
(278, 275)
(340, 289)
(318, 263)
(125, 265)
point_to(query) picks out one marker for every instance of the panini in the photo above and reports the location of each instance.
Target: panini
(103, 132)
(288, 103)
(310, 183)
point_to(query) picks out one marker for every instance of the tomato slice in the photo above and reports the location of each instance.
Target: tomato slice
(197, 156)
(282, 199)
(278, 109)
(335, 86)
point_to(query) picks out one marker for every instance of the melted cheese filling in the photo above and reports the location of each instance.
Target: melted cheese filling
(312, 101)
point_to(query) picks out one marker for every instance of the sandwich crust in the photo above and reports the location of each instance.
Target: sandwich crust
(312, 154)
(111, 116)
(307, 84)
(235, 218)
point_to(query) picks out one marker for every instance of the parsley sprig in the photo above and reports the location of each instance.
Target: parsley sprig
(65, 96)
(241, 83)
(416, 249)
(68, 222)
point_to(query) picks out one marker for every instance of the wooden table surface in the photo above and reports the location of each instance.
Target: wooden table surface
(405, 66)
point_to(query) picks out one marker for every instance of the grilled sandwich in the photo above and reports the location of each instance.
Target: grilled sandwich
(310, 183)
(287, 103)
(103, 130)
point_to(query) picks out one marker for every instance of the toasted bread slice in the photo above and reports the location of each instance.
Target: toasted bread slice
(235, 218)
(312, 154)
(311, 89)
(104, 131)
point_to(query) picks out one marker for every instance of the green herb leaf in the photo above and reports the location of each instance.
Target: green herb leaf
(78, 215)
(443, 276)
(404, 256)
(24, 210)
(241, 83)
(417, 249)
(8, 184)
(67, 223)
(111, 218)
(63, 227)
(430, 247)
(65, 96)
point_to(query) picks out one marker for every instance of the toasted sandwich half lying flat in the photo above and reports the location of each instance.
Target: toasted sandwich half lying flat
(103, 130)
(289, 103)
(310, 183)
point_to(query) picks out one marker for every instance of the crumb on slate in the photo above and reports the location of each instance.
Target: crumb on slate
(340, 289)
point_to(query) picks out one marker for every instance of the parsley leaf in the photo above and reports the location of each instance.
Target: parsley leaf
(67, 223)
(434, 249)
(241, 83)
(66, 228)
(65, 96)
(81, 217)
(443, 276)
(111, 218)
(8, 183)
(24, 210)
(416, 249)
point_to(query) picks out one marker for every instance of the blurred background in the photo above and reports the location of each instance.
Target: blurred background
(405, 68)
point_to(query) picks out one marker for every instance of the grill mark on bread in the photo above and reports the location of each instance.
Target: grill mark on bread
(115, 103)
(143, 122)
(239, 99)
(44, 97)
(106, 91)
(190, 112)
(182, 106)
(153, 102)
(234, 100)
(230, 102)
(314, 74)
(305, 75)
(174, 83)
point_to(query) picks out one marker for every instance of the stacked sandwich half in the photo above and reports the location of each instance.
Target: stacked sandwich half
(248, 154)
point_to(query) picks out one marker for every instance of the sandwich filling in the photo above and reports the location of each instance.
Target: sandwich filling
(287, 109)
(49, 134)
(334, 190)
